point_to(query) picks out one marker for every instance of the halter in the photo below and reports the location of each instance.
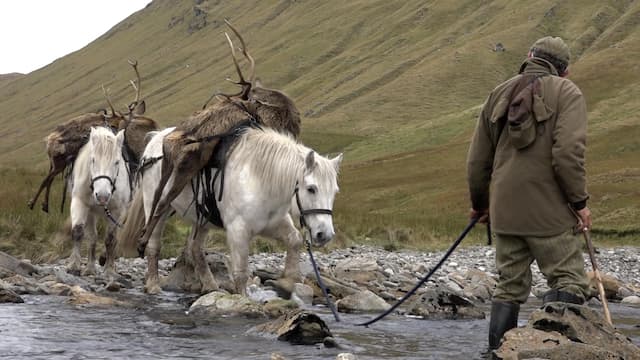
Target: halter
(107, 212)
(304, 213)
(111, 181)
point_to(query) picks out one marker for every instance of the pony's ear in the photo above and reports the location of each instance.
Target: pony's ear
(310, 161)
(336, 162)
(120, 138)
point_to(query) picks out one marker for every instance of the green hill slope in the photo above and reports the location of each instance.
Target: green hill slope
(395, 85)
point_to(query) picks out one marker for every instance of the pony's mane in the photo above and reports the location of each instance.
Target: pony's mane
(275, 156)
(104, 143)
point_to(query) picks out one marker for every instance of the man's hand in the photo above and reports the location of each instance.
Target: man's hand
(481, 215)
(584, 219)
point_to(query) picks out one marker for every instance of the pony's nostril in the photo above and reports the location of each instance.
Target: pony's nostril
(320, 235)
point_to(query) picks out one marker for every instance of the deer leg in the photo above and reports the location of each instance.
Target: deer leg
(57, 167)
(187, 166)
(203, 271)
(45, 183)
(90, 231)
(154, 216)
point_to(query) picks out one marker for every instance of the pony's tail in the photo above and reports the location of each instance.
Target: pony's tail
(128, 235)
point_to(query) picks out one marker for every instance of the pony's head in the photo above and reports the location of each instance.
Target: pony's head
(315, 194)
(105, 162)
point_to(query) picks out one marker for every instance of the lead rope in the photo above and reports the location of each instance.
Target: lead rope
(424, 279)
(320, 283)
(110, 217)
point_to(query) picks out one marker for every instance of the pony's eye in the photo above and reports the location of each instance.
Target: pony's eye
(311, 190)
(117, 162)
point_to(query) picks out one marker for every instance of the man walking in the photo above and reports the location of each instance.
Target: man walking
(529, 148)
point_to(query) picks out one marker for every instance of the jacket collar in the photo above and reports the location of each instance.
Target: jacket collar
(537, 66)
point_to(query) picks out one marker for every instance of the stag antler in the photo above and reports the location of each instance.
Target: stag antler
(106, 94)
(246, 86)
(137, 88)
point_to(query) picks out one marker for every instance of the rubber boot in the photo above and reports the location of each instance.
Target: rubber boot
(561, 296)
(504, 317)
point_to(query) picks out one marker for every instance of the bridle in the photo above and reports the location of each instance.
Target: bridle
(111, 181)
(303, 212)
(107, 212)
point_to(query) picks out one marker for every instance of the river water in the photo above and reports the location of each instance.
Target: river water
(47, 327)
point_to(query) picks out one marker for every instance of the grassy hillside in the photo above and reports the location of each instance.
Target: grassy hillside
(395, 85)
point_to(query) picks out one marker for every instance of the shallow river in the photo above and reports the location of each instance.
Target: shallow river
(47, 327)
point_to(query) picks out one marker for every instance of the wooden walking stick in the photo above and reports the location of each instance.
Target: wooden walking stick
(596, 274)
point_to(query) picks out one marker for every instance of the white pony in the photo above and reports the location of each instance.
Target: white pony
(263, 171)
(100, 188)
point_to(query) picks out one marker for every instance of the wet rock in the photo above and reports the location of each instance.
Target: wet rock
(25, 285)
(113, 286)
(260, 295)
(336, 287)
(60, 289)
(64, 277)
(277, 307)
(302, 294)
(623, 292)
(632, 300)
(346, 356)
(80, 296)
(610, 283)
(440, 302)
(562, 331)
(360, 270)
(220, 303)
(300, 327)
(8, 296)
(11, 264)
(363, 301)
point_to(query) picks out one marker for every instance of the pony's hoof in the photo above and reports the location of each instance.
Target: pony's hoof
(45, 207)
(283, 286)
(90, 271)
(141, 249)
(30, 204)
(152, 289)
(208, 288)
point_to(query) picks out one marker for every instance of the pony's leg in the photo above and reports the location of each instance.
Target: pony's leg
(286, 232)
(152, 282)
(90, 232)
(238, 242)
(110, 249)
(79, 214)
(203, 271)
